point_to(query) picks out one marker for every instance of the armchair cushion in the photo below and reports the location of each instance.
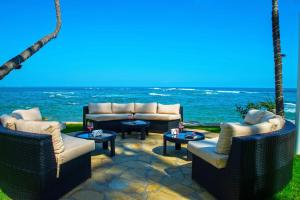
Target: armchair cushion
(162, 117)
(168, 109)
(149, 108)
(254, 116)
(205, 149)
(8, 121)
(75, 147)
(229, 130)
(100, 108)
(43, 127)
(33, 114)
(107, 117)
(123, 107)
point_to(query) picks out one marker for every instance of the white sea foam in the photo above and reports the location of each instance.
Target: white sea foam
(290, 104)
(59, 93)
(155, 88)
(210, 92)
(187, 89)
(229, 91)
(250, 92)
(157, 94)
(73, 103)
(290, 107)
(170, 89)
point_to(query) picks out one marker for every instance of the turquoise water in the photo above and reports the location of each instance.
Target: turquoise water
(200, 104)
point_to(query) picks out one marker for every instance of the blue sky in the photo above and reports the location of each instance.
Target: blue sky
(206, 43)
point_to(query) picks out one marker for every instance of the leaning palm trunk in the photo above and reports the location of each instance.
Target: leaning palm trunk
(277, 59)
(15, 62)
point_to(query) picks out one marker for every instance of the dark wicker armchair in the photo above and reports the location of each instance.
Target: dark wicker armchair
(258, 166)
(28, 167)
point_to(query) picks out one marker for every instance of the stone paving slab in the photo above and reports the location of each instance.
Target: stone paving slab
(139, 171)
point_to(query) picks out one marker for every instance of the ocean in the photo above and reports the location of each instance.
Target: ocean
(205, 105)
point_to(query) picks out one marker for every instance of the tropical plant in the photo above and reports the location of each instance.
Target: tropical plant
(277, 59)
(15, 62)
(263, 105)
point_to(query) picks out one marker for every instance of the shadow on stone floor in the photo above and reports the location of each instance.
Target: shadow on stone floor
(139, 171)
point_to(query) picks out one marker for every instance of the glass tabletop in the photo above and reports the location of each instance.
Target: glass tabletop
(88, 135)
(185, 135)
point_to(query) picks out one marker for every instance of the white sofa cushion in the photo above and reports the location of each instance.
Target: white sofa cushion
(107, 117)
(162, 117)
(205, 149)
(33, 114)
(75, 147)
(123, 107)
(149, 108)
(168, 109)
(100, 108)
(229, 130)
(254, 116)
(43, 127)
(8, 121)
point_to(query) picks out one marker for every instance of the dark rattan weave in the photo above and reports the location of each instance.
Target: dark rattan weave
(28, 167)
(257, 168)
(115, 125)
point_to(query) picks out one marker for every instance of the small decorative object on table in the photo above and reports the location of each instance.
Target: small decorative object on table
(96, 133)
(174, 131)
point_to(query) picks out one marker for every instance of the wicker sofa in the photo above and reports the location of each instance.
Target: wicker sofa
(109, 115)
(256, 167)
(29, 168)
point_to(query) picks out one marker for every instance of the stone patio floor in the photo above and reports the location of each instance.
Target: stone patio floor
(140, 171)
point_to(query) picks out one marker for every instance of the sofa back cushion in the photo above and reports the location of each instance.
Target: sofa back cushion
(100, 108)
(150, 108)
(168, 109)
(43, 127)
(254, 116)
(229, 130)
(8, 121)
(33, 114)
(123, 107)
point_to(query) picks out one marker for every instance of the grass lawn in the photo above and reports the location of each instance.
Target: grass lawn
(291, 192)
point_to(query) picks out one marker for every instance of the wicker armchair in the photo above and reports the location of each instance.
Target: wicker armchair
(28, 167)
(258, 166)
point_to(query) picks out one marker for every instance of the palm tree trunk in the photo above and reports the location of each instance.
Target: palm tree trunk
(277, 59)
(15, 62)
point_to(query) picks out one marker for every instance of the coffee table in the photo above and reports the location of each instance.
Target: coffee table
(180, 139)
(135, 125)
(107, 136)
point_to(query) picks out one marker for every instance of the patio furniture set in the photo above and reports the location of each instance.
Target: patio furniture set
(249, 160)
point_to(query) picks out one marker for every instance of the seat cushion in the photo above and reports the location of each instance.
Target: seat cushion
(162, 117)
(43, 127)
(168, 109)
(229, 130)
(8, 121)
(75, 147)
(100, 108)
(33, 114)
(276, 120)
(123, 107)
(149, 108)
(107, 117)
(254, 116)
(205, 149)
